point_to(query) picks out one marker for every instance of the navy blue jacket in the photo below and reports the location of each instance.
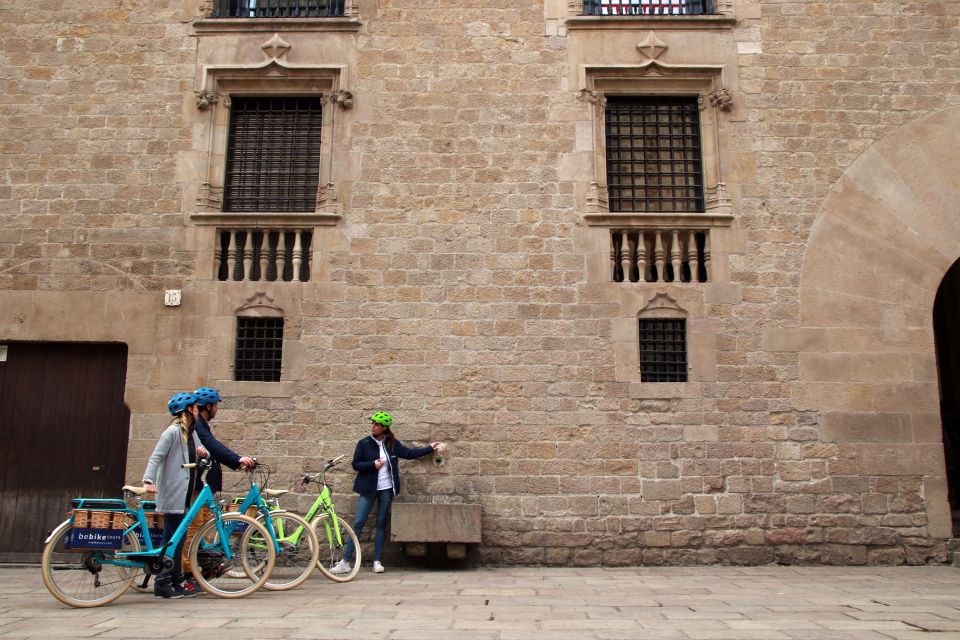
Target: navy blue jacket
(219, 452)
(364, 462)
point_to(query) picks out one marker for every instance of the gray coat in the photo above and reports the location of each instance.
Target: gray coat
(164, 470)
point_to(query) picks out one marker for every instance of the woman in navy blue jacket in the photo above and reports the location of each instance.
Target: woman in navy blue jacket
(376, 461)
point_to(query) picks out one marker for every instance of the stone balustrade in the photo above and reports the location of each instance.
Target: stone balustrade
(660, 255)
(263, 254)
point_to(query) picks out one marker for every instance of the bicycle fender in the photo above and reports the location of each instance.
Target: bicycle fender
(56, 530)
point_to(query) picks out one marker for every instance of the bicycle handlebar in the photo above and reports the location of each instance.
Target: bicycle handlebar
(318, 477)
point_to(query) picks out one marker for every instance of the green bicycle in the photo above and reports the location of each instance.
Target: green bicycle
(332, 530)
(298, 548)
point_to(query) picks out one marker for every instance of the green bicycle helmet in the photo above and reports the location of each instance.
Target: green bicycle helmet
(382, 418)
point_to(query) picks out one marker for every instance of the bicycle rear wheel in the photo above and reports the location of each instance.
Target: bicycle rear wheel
(332, 563)
(252, 561)
(296, 561)
(85, 578)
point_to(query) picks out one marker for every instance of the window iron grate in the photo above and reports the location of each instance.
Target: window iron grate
(278, 8)
(663, 350)
(654, 156)
(259, 349)
(273, 154)
(647, 7)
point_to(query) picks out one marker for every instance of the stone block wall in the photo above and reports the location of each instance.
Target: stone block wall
(459, 290)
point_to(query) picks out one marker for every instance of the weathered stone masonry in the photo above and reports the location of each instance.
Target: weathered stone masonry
(460, 263)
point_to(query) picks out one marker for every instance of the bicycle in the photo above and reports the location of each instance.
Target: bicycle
(296, 542)
(335, 529)
(87, 567)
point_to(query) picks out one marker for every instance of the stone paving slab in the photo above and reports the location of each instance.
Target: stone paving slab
(652, 603)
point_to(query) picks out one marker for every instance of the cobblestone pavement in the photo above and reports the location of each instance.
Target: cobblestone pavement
(701, 603)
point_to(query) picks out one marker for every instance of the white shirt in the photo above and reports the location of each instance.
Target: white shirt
(384, 478)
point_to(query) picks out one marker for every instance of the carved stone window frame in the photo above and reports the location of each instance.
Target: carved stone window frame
(653, 78)
(700, 344)
(273, 77)
(250, 300)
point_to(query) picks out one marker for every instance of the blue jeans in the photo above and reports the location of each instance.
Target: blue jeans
(170, 523)
(364, 507)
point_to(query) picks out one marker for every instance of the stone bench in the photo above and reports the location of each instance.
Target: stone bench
(417, 525)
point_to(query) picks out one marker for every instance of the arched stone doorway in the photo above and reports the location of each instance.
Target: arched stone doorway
(874, 261)
(946, 325)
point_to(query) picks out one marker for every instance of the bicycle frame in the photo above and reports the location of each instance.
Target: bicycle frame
(255, 499)
(325, 503)
(205, 499)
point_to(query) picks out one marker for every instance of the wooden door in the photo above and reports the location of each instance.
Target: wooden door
(63, 434)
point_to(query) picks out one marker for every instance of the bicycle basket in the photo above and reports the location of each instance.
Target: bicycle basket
(94, 529)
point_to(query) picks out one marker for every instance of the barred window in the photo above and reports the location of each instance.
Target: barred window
(277, 8)
(273, 154)
(654, 158)
(259, 349)
(663, 350)
(646, 7)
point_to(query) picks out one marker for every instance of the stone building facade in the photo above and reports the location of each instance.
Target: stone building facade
(468, 264)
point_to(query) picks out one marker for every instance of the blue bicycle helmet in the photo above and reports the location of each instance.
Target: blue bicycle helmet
(180, 401)
(206, 395)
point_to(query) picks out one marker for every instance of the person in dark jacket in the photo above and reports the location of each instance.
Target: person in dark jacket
(376, 461)
(208, 400)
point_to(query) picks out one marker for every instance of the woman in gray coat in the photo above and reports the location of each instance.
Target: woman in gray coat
(173, 484)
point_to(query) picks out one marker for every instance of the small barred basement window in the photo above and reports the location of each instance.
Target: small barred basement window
(259, 349)
(663, 350)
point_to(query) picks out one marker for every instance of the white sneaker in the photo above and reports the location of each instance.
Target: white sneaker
(377, 567)
(341, 567)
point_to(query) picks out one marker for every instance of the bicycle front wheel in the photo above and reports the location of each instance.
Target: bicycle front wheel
(252, 561)
(296, 560)
(85, 578)
(332, 563)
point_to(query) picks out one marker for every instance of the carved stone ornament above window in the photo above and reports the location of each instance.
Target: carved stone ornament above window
(259, 305)
(651, 46)
(661, 305)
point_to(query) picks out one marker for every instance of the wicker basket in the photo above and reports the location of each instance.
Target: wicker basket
(235, 507)
(95, 519)
(154, 520)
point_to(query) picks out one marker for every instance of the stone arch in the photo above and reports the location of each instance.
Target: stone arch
(887, 233)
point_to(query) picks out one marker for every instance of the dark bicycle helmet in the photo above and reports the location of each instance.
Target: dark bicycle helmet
(382, 418)
(206, 395)
(180, 401)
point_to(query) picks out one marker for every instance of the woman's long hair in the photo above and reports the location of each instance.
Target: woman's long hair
(184, 420)
(388, 439)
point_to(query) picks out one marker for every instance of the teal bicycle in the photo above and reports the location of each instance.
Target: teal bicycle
(291, 535)
(104, 546)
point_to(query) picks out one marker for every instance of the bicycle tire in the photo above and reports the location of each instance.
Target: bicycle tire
(76, 578)
(295, 562)
(331, 553)
(254, 563)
